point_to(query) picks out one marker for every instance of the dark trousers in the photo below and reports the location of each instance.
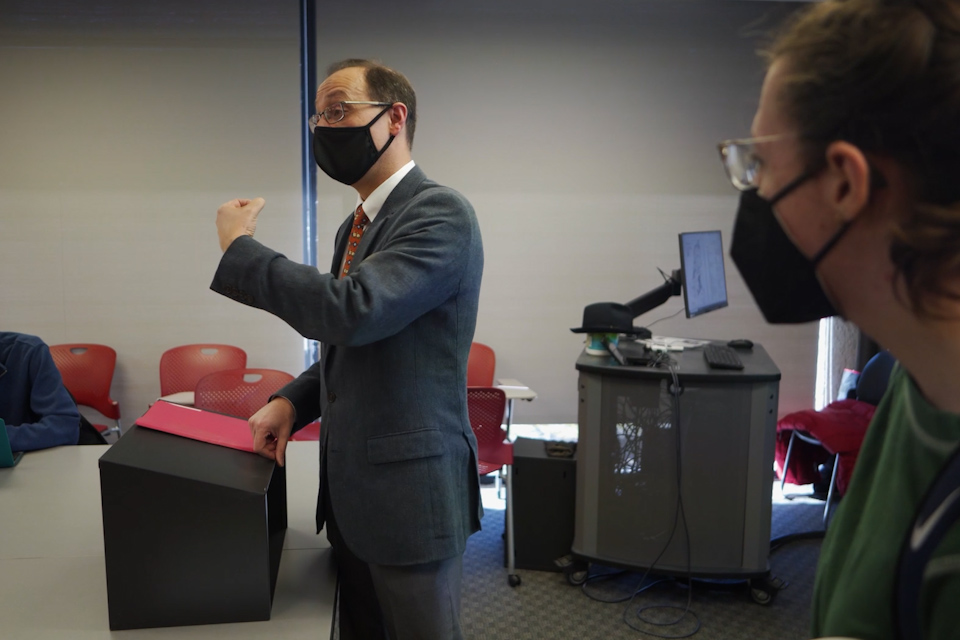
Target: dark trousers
(420, 601)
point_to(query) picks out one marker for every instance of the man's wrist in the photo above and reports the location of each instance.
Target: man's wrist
(226, 245)
(292, 410)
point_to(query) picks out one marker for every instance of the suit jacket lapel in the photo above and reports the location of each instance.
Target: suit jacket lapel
(400, 195)
(402, 192)
(343, 235)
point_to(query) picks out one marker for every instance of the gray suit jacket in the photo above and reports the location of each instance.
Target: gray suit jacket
(400, 457)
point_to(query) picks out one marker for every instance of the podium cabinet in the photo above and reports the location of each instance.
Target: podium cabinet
(642, 447)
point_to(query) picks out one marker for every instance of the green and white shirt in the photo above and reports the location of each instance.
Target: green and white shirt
(906, 446)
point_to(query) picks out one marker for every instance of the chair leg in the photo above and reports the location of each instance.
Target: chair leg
(833, 483)
(786, 459)
(115, 429)
(512, 578)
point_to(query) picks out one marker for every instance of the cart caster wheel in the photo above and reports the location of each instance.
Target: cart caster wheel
(761, 596)
(764, 590)
(577, 578)
(514, 580)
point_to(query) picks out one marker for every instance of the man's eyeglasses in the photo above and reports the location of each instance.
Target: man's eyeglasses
(741, 162)
(335, 113)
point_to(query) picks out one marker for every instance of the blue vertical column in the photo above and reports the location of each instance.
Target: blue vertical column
(308, 86)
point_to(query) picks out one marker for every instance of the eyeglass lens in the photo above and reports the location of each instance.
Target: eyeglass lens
(741, 164)
(334, 113)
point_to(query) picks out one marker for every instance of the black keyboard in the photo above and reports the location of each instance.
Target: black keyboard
(721, 357)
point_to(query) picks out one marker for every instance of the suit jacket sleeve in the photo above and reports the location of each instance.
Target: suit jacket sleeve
(412, 271)
(302, 393)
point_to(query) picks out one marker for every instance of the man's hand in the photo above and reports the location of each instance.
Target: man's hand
(271, 427)
(237, 218)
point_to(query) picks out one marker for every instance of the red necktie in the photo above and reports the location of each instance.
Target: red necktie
(360, 222)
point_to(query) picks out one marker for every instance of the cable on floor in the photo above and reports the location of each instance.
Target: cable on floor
(640, 588)
(780, 541)
(678, 515)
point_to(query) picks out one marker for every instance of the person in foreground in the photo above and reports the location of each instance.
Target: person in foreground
(399, 490)
(851, 205)
(37, 409)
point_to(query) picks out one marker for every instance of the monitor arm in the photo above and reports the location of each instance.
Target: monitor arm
(656, 297)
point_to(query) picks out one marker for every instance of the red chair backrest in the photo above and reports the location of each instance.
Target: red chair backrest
(487, 406)
(238, 392)
(182, 367)
(87, 372)
(480, 365)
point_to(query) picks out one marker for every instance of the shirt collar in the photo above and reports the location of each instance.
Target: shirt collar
(374, 202)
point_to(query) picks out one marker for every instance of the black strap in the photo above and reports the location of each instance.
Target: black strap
(938, 512)
(89, 433)
(336, 601)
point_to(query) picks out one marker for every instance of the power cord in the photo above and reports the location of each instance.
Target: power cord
(780, 541)
(672, 315)
(660, 359)
(678, 515)
(640, 588)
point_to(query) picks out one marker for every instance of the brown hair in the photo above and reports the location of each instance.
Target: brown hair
(884, 75)
(385, 85)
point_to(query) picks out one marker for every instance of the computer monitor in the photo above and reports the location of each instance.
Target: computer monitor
(701, 263)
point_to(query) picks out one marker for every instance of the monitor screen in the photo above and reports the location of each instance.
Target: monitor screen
(704, 281)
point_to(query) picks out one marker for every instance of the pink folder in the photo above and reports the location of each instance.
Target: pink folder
(198, 424)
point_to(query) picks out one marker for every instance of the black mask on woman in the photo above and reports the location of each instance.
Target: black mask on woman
(347, 153)
(782, 280)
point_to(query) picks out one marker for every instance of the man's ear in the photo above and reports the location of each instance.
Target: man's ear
(847, 183)
(398, 117)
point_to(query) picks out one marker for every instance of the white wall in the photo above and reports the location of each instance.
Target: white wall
(121, 135)
(583, 133)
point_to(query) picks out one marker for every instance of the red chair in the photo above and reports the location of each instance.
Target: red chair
(310, 433)
(487, 406)
(806, 439)
(480, 365)
(87, 372)
(182, 367)
(238, 392)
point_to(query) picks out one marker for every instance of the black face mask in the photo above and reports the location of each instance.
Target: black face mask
(347, 153)
(782, 280)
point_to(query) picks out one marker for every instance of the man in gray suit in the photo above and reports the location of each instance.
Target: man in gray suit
(396, 315)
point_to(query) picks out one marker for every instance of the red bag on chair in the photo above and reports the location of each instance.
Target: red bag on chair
(840, 427)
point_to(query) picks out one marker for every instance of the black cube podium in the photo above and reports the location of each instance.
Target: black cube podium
(544, 494)
(192, 531)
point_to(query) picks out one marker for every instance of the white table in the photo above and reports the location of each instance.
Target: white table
(181, 397)
(514, 390)
(52, 575)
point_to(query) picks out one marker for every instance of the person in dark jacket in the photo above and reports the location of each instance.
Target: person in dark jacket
(37, 409)
(396, 315)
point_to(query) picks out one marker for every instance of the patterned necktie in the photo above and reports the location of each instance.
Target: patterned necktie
(360, 222)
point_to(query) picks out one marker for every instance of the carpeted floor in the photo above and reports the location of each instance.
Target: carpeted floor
(545, 606)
